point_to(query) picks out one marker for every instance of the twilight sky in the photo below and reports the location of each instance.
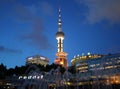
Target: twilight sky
(28, 27)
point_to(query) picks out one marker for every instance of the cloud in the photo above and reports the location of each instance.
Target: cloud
(99, 10)
(28, 18)
(41, 7)
(34, 36)
(23, 13)
(8, 50)
(46, 8)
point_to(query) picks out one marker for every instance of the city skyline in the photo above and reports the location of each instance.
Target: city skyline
(28, 28)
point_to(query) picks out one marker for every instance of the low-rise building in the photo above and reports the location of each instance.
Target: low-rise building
(37, 59)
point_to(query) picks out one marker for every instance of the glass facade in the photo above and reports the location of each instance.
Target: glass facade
(105, 68)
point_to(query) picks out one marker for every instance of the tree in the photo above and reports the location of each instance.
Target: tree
(62, 70)
(2, 71)
(72, 69)
(10, 72)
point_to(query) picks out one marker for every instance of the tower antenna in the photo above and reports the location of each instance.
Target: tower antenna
(59, 20)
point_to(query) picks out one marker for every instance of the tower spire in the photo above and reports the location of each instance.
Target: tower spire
(59, 21)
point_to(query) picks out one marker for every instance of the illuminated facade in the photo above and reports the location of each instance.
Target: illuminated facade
(105, 68)
(37, 60)
(79, 59)
(61, 55)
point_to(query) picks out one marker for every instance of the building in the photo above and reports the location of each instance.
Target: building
(37, 59)
(78, 59)
(105, 68)
(61, 55)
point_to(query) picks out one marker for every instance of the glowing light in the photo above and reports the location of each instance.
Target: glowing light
(38, 77)
(42, 58)
(59, 23)
(30, 58)
(116, 81)
(41, 76)
(74, 56)
(25, 77)
(31, 77)
(20, 77)
(34, 77)
(61, 62)
(82, 54)
(68, 83)
(88, 53)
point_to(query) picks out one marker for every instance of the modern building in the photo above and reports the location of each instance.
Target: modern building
(37, 59)
(99, 67)
(61, 55)
(78, 59)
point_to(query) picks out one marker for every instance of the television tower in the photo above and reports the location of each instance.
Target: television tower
(61, 55)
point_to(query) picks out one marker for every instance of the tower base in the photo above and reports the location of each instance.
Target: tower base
(61, 59)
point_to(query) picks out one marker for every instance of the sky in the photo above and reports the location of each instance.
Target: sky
(28, 27)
